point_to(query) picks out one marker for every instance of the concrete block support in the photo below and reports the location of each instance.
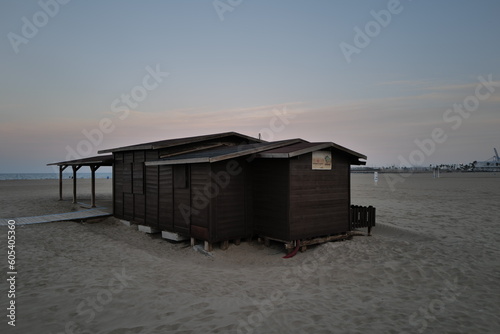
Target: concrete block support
(173, 236)
(147, 229)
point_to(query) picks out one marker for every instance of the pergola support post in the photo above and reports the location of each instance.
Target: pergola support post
(75, 169)
(61, 169)
(93, 162)
(93, 168)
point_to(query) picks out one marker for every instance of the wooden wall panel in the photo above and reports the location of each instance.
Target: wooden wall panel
(182, 210)
(118, 185)
(270, 197)
(151, 191)
(182, 199)
(132, 180)
(319, 199)
(165, 199)
(230, 203)
(139, 208)
(128, 157)
(127, 177)
(138, 178)
(139, 156)
(152, 155)
(128, 206)
(200, 202)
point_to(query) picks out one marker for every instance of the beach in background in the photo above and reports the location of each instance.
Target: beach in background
(35, 197)
(50, 176)
(431, 266)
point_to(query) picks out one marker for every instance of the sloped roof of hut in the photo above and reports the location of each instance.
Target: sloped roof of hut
(222, 153)
(291, 151)
(156, 145)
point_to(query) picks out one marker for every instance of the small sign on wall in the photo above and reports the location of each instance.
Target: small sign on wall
(322, 160)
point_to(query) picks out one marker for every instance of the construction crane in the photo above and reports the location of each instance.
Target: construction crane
(493, 162)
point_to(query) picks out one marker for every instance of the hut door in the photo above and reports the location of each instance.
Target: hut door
(182, 199)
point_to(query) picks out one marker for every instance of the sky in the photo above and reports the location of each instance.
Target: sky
(402, 82)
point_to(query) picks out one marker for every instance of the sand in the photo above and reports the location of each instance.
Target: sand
(431, 266)
(25, 198)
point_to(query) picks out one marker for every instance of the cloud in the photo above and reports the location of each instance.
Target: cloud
(433, 85)
(383, 128)
(208, 119)
(408, 83)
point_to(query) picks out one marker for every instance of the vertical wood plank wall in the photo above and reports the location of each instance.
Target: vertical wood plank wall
(201, 200)
(182, 200)
(270, 197)
(138, 187)
(151, 184)
(318, 198)
(230, 204)
(118, 185)
(166, 199)
(128, 196)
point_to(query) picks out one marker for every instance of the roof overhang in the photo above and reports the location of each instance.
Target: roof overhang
(304, 148)
(291, 154)
(99, 160)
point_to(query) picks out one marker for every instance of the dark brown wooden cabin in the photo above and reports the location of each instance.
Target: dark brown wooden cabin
(155, 195)
(303, 191)
(217, 197)
(229, 186)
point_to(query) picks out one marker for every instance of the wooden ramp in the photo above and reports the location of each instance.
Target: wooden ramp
(67, 216)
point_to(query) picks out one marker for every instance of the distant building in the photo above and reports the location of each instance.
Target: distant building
(493, 164)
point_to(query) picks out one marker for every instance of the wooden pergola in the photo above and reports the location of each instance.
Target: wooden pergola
(93, 162)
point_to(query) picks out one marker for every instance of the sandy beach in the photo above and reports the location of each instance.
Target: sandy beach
(431, 266)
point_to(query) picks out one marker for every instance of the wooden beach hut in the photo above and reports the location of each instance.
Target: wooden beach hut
(218, 205)
(163, 195)
(228, 186)
(302, 192)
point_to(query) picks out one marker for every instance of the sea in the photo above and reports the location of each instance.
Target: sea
(48, 176)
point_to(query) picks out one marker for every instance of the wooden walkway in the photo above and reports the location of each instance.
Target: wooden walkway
(67, 216)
